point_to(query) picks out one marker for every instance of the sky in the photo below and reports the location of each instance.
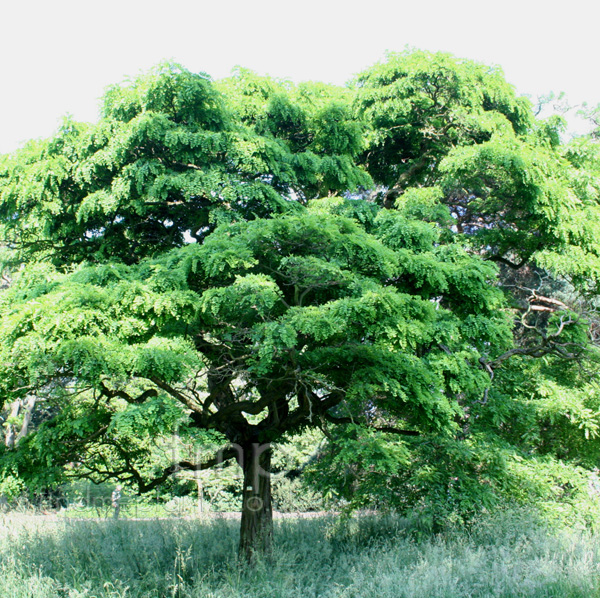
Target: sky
(57, 57)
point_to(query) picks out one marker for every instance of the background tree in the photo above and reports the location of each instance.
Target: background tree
(420, 106)
(450, 143)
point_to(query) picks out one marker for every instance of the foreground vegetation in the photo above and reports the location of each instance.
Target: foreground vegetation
(514, 554)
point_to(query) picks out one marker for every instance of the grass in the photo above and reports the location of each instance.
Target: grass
(129, 510)
(510, 556)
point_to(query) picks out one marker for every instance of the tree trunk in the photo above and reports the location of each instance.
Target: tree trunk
(11, 437)
(11, 432)
(29, 407)
(256, 531)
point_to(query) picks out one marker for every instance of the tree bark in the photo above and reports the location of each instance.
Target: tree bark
(11, 437)
(256, 530)
(10, 432)
(29, 407)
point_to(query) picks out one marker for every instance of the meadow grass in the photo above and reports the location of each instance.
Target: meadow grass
(513, 555)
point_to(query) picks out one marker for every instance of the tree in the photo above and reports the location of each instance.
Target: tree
(453, 131)
(211, 259)
(260, 327)
(266, 327)
(169, 161)
(448, 142)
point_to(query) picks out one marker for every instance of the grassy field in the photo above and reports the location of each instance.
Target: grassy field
(508, 556)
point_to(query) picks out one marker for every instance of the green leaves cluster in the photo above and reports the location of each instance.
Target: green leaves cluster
(409, 263)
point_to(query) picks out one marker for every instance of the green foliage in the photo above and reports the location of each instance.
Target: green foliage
(11, 487)
(421, 105)
(309, 293)
(212, 264)
(313, 120)
(169, 159)
(296, 496)
(523, 184)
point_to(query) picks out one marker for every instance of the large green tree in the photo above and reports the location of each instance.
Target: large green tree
(448, 142)
(244, 260)
(266, 327)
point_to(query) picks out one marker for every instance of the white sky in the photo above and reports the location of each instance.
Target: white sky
(57, 56)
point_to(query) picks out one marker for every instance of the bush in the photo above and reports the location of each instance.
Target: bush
(11, 488)
(294, 496)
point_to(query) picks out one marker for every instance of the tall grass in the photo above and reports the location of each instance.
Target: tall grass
(509, 556)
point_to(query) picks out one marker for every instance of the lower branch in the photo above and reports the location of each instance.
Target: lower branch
(130, 473)
(386, 429)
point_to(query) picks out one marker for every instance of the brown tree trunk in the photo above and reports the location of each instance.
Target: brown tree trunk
(256, 531)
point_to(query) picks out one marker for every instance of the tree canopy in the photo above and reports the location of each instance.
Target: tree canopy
(409, 263)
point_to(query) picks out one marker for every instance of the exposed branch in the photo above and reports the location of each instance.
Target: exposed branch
(252, 407)
(535, 297)
(398, 189)
(541, 350)
(175, 394)
(130, 473)
(507, 262)
(310, 407)
(386, 429)
(111, 394)
(29, 407)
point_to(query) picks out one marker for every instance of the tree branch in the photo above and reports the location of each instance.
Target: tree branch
(386, 429)
(507, 262)
(129, 472)
(176, 394)
(111, 394)
(398, 189)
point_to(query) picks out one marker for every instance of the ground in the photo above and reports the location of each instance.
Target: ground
(511, 554)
